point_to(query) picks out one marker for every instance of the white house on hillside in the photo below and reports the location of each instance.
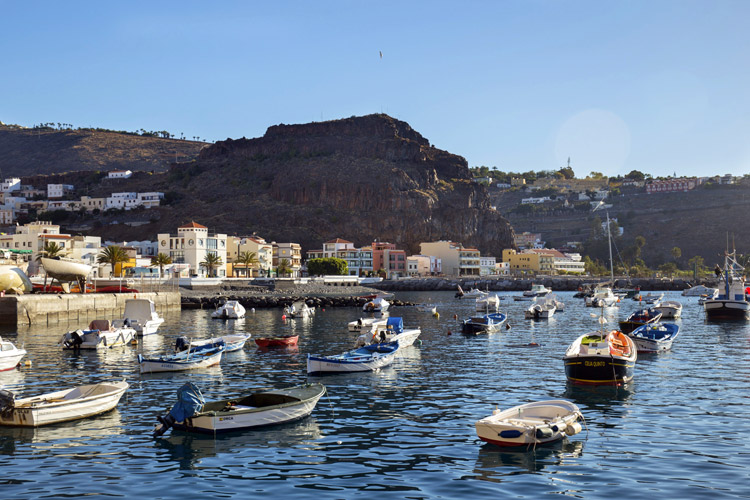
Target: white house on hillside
(119, 174)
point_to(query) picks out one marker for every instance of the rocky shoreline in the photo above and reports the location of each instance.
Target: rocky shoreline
(319, 295)
(557, 283)
(314, 295)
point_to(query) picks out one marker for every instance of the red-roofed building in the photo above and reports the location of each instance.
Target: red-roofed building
(191, 246)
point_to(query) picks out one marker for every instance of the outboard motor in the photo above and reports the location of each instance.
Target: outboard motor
(181, 344)
(7, 402)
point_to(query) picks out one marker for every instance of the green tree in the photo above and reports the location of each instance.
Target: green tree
(283, 269)
(676, 253)
(327, 266)
(161, 260)
(211, 262)
(247, 259)
(112, 255)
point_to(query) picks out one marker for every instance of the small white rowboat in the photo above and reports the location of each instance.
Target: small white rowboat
(531, 424)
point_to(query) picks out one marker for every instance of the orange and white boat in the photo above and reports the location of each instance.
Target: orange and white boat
(601, 359)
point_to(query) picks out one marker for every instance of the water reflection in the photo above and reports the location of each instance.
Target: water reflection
(492, 458)
(188, 449)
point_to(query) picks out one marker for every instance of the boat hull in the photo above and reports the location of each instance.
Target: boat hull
(599, 370)
(11, 360)
(104, 340)
(165, 365)
(727, 309)
(52, 408)
(240, 418)
(277, 341)
(320, 365)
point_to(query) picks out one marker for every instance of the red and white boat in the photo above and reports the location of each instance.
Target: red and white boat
(280, 341)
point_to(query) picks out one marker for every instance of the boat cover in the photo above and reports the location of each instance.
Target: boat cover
(189, 402)
(395, 324)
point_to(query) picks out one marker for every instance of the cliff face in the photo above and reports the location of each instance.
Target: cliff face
(46, 151)
(358, 178)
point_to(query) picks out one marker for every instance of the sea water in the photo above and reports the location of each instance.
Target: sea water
(679, 430)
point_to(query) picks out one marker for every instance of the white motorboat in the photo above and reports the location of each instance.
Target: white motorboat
(430, 308)
(531, 424)
(669, 309)
(537, 290)
(392, 331)
(488, 303)
(731, 302)
(141, 315)
(475, 292)
(101, 334)
(699, 290)
(10, 355)
(649, 298)
(376, 305)
(259, 409)
(231, 309)
(299, 309)
(60, 406)
(367, 324)
(601, 359)
(487, 323)
(542, 308)
(602, 297)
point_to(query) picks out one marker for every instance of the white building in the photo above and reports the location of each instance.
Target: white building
(144, 249)
(455, 259)
(358, 260)
(10, 184)
(487, 265)
(502, 268)
(191, 245)
(59, 190)
(32, 237)
(150, 199)
(119, 174)
(124, 201)
(535, 201)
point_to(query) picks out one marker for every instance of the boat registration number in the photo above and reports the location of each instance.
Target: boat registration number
(593, 363)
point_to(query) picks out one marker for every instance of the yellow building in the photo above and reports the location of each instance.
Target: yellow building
(532, 263)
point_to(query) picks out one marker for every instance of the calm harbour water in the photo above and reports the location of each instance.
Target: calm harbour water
(679, 430)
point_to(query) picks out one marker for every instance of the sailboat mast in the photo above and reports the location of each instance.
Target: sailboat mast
(611, 265)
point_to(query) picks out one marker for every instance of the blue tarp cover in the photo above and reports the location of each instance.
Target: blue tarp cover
(189, 402)
(396, 324)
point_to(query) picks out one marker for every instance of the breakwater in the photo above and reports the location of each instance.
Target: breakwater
(557, 283)
(263, 302)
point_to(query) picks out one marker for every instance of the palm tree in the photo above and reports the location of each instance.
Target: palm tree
(161, 260)
(283, 268)
(211, 262)
(112, 255)
(247, 259)
(51, 250)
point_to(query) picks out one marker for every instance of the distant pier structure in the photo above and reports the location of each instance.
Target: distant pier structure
(50, 309)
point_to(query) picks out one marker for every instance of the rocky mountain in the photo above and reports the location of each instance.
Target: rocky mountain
(359, 178)
(29, 151)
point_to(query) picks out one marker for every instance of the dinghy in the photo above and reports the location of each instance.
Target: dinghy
(279, 341)
(669, 309)
(531, 424)
(196, 357)
(654, 337)
(232, 342)
(482, 324)
(60, 406)
(250, 411)
(393, 331)
(366, 358)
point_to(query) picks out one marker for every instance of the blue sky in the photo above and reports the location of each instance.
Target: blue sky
(656, 86)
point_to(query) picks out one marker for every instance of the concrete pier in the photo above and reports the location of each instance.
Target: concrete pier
(50, 309)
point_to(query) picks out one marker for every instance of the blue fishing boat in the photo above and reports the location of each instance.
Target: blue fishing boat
(654, 337)
(196, 357)
(639, 318)
(366, 358)
(483, 324)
